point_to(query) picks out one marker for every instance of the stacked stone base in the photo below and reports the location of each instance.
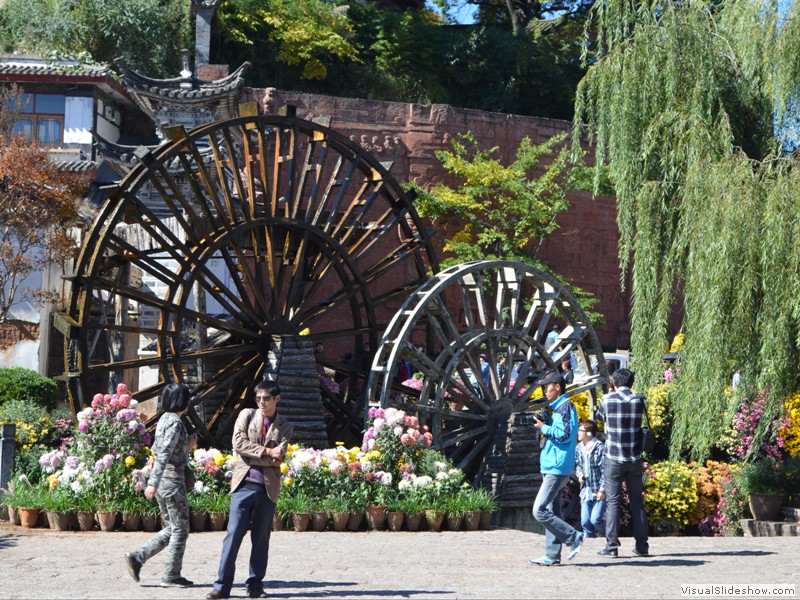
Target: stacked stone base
(790, 526)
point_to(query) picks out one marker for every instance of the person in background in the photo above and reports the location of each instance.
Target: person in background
(566, 370)
(167, 484)
(556, 463)
(737, 378)
(260, 438)
(589, 469)
(552, 337)
(622, 412)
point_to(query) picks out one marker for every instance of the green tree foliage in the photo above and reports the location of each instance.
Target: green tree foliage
(25, 385)
(306, 33)
(497, 211)
(504, 211)
(682, 99)
(148, 34)
(406, 56)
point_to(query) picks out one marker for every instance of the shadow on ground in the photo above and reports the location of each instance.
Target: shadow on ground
(7, 541)
(305, 590)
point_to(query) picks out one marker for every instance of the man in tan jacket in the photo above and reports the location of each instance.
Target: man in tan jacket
(260, 438)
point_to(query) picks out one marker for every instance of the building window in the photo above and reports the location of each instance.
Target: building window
(44, 118)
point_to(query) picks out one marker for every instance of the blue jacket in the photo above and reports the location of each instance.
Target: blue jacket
(558, 454)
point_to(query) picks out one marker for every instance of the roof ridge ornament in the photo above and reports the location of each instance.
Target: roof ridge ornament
(185, 73)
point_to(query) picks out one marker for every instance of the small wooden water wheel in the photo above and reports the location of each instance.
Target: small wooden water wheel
(477, 335)
(224, 240)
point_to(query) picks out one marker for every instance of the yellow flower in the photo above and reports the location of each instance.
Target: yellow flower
(129, 461)
(287, 482)
(340, 443)
(219, 458)
(284, 468)
(52, 481)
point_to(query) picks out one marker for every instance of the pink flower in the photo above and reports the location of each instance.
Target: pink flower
(83, 426)
(122, 389)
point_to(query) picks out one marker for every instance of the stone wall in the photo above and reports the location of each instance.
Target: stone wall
(584, 248)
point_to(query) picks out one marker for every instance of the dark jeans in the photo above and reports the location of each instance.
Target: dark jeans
(631, 474)
(250, 507)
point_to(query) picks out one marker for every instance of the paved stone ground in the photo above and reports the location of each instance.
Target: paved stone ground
(41, 563)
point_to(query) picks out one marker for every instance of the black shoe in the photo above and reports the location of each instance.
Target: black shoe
(609, 552)
(257, 594)
(217, 594)
(134, 565)
(180, 582)
(637, 552)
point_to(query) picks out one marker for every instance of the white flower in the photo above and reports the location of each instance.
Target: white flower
(422, 481)
(398, 430)
(378, 424)
(371, 444)
(76, 486)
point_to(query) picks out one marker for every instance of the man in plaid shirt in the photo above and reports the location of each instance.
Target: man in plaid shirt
(622, 412)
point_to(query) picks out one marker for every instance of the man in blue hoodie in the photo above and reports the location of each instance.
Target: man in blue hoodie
(556, 463)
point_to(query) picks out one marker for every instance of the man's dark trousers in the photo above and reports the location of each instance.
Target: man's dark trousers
(631, 474)
(250, 508)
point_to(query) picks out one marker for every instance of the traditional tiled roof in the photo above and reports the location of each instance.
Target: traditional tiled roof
(187, 92)
(25, 67)
(75, 166)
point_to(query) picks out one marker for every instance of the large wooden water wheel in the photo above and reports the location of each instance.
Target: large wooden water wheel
(227, 238)
(477, 335)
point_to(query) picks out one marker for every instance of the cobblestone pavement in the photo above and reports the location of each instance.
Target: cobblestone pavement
(41, 563)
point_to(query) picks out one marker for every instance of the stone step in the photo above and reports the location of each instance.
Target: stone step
(754, 528)
(791, 515)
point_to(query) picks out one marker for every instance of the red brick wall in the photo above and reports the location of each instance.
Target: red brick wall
(12, 332)
(584, 248)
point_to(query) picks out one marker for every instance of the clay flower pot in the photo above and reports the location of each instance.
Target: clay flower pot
(150, 522)
(217, 520)
(278, 521)
(29, 517)
(319, 520)
(197, 520)
(472, 520)
(395, 520)
(13, 515)
(354, 523)
(340, 520)
(301, 521)
(434, 519)
(131, 521)
(765, 507)
(454, 521)
(413, 522)
(106, 520)
(376, 517)
(59, 521)
(486, 520)
(85, 520)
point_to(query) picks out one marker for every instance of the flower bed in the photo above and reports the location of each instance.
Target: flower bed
(104, 460)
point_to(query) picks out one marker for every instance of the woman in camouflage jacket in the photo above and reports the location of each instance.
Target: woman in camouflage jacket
(167, 483)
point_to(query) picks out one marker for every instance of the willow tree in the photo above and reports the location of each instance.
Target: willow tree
(687, 103)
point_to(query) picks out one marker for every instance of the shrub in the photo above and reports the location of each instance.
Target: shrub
(760, 477)
(17, 383)
(709, 492)
(32, 421)
(670, 493)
